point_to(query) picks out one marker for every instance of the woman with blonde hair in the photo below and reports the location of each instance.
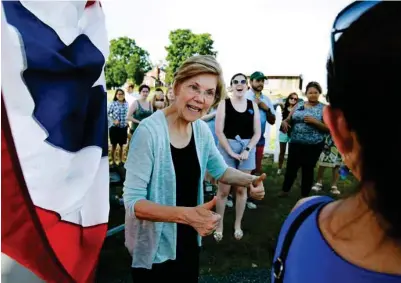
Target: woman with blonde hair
(159, 100)
(170, 97)
(165, 213)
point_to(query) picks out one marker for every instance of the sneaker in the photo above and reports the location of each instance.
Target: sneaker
(279, 172)
(334, 190)
(251, 205)
(317, 187)
(229, 203)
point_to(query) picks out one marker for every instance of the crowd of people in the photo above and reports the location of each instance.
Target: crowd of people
(196, 132)
(238, 124)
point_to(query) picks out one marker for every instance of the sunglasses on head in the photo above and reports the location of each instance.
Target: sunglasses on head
(239, 82)
(343, 21)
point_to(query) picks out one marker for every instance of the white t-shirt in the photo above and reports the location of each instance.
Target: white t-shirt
(131, 97)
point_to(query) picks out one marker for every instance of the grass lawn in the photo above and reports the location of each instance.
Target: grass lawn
(252, 255)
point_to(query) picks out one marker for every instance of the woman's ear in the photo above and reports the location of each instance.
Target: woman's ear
(339, 130)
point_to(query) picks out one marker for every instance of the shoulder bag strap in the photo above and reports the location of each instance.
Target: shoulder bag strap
(279, 263)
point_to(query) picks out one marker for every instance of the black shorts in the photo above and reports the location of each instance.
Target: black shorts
(118, 135)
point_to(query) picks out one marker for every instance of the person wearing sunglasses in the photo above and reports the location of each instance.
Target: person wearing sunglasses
(170, 97)
(238, 131)
(284, 138)
(159, 99)
(356, 239)
(267, 115)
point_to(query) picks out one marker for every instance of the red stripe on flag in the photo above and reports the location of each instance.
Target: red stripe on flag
(90, 3)
(21, 235)
(77, 248)
(55, 250)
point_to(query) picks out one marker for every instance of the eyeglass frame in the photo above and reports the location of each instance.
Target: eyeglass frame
(199, 92)
(236, 82)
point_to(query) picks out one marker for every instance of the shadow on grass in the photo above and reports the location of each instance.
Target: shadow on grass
(247, 260)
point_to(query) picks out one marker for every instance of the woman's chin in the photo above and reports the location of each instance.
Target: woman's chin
(191, 116)
(239, 94)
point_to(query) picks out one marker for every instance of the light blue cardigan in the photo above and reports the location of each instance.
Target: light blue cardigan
(150, 175)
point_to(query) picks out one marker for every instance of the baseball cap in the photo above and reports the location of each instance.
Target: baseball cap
(258, 76)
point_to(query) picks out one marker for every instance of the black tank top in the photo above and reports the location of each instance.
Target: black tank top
(238, 123)
(185, 160)
(285, 113)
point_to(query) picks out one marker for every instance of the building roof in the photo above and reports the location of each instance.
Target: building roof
(283, 77)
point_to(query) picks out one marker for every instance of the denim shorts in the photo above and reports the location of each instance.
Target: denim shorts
(283, 137)
(238, 145)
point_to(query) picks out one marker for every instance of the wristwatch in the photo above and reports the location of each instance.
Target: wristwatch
(247, 148)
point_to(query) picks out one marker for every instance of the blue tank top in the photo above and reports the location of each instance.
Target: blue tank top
(311, 259)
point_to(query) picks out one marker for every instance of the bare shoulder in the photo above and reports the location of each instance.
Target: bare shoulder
(302, 201)
(221, 104)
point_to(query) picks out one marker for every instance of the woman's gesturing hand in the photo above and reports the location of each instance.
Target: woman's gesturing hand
(202, 218)
(257, 190)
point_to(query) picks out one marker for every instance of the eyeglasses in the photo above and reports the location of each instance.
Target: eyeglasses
(195, 90)
(239, 82)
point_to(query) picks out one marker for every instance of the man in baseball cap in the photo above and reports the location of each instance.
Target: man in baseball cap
(258, 76)
(267, 114)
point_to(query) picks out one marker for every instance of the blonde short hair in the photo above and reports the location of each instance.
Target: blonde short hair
(198, 65)
(154, 100)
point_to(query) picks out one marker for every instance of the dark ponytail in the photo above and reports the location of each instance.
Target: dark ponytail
(365, 69)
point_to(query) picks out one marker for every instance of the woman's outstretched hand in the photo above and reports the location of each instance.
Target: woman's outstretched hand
(257, 190)
(202, 218)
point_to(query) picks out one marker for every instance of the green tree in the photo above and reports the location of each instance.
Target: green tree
(115, 73)
(184, 44)
(126, 61)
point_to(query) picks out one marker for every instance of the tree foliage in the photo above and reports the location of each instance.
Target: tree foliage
(126, 61)
(184, 44)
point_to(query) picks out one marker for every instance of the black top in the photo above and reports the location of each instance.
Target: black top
(285, 113)
(238, 123)
(187, 172)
